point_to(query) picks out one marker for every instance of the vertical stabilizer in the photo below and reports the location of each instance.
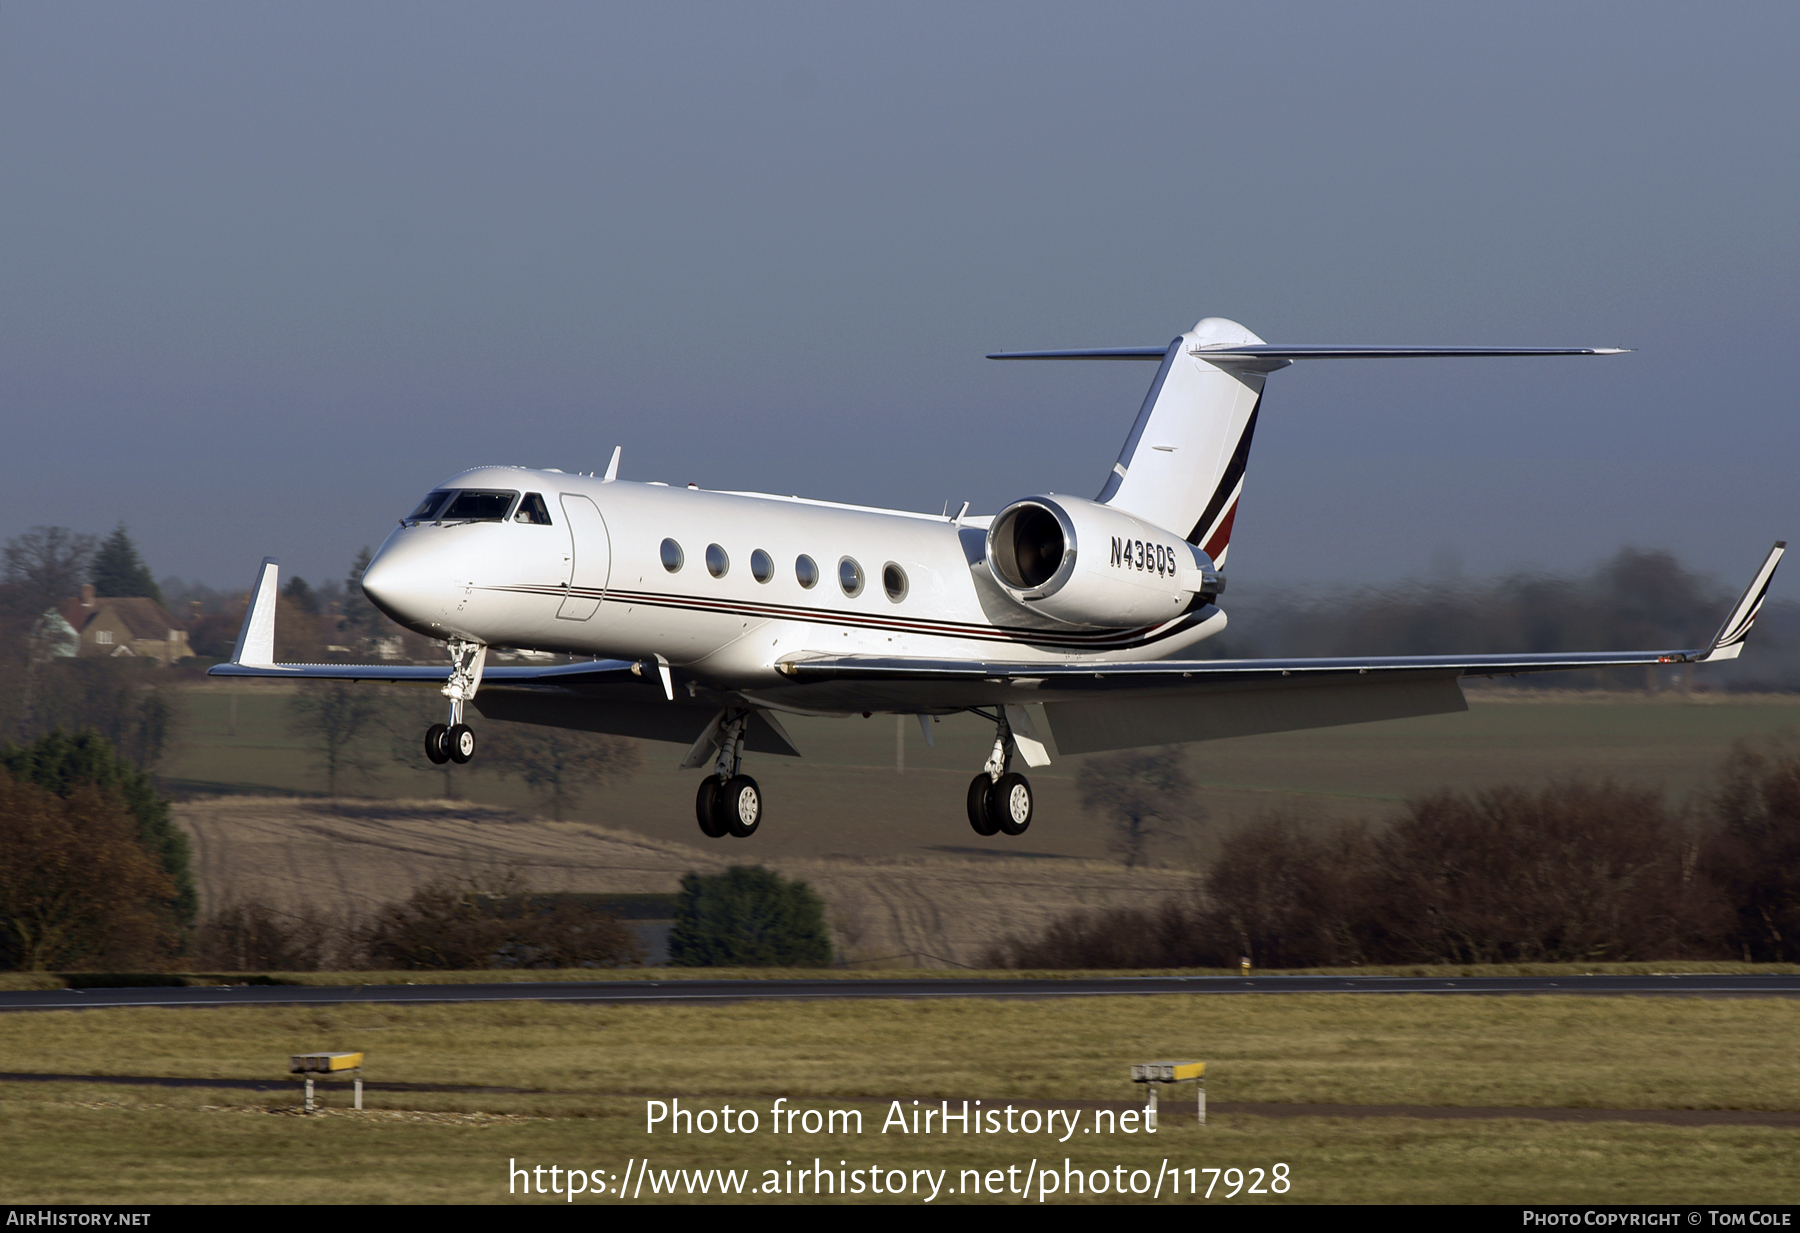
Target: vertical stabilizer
(1183, 464)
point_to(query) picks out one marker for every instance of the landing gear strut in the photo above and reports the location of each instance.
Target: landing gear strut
(455, 741)
(1000, 799)
(729, 803)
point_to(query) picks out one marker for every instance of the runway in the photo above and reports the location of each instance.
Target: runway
(717, 992)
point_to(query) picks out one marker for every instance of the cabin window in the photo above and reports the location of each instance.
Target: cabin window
(893, 581)
(807, 571)
(479, 505)
(533, 510)
(429, 507)
(717, 563)
(850, 577)
(671, 556)
(762, 566)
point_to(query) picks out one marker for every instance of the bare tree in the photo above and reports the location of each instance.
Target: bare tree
(47, 565)
(337, 718)
(557, 764)
(1144, 795)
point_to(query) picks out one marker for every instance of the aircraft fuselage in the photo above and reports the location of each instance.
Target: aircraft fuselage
(595, 579)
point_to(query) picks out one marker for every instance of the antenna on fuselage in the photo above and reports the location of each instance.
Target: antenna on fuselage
(612, 468)
(959, 513)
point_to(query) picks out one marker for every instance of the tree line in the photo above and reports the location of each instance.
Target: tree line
(1571, 872)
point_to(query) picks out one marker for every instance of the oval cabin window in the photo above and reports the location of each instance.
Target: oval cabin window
(850, 577)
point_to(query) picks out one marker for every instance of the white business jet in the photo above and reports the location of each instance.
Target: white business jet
(1068, 623)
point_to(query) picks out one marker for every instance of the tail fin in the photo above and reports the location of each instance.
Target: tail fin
(1183, 464)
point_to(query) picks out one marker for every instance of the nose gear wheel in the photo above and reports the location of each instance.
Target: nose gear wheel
(742, 801)
(709, 808)
(1009, 804)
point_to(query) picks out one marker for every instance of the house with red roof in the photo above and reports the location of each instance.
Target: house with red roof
(122, 626)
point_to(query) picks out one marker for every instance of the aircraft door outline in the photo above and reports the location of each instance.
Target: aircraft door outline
(591, 549)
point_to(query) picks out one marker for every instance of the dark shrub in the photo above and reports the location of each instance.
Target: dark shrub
(1283, 897)
(62, 764)
(1754, 856)
(77, 888)
(748, 917)
(497, 922)
(1170, 935)
(251, 936)
(1571, 872)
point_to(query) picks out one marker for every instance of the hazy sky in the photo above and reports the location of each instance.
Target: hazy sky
(269, 272)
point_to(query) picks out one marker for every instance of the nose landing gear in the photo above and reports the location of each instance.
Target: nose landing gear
(1000, 800)
(729, 803)
(455, 741)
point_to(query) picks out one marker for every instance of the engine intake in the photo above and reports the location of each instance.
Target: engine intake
(1089, 564)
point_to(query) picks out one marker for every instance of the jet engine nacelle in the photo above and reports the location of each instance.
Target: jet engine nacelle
(1089, 564)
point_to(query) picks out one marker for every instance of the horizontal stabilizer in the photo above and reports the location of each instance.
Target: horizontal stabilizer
(572, 676)
(1273, 351)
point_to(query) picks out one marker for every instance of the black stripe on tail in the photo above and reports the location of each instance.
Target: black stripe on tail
(1234, 472)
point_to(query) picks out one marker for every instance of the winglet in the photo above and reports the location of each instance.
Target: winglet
(256, 640)
(612, 468)
(1729, 643)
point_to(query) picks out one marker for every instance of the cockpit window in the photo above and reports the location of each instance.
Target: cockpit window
(479, 505)
(429, 506)
(533, 510)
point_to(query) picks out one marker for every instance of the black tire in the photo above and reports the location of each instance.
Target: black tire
(708, 810)
(1010, 804)
(740, 805)
(437, 744)
(979, 787)
(460, 741)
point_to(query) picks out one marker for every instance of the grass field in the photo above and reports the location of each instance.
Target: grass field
(588, 1072)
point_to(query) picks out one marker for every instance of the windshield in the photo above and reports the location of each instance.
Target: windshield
(479, 505)
(429, 506)
(466, 505)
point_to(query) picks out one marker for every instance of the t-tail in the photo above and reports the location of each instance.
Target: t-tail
(1184, 461)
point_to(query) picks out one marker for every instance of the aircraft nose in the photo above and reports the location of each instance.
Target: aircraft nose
(402, 582)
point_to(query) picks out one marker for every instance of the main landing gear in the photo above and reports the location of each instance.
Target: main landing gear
(999, 798)
(729, 803)
(455, 741)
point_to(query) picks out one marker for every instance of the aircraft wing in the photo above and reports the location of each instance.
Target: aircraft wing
(1088, 707)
